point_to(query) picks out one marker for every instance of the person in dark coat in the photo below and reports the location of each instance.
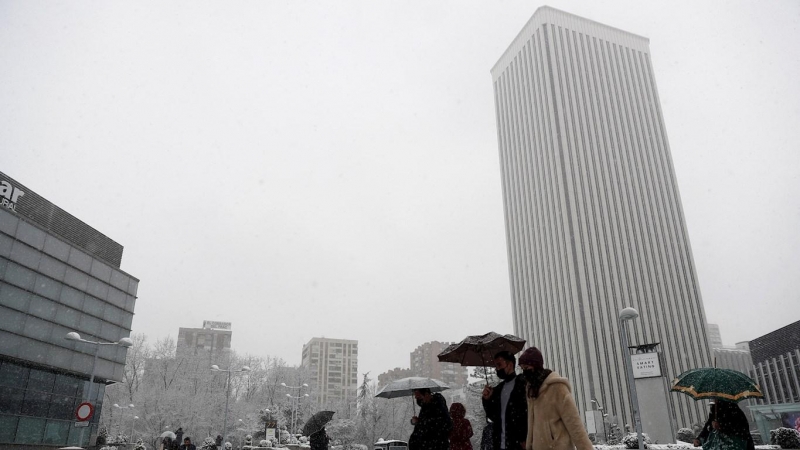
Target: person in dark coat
(432, 426)
(506, 405)
(486, 436)
(726, 418)
(187, 444)
(462, 429)
(178, 436)
(319, 440)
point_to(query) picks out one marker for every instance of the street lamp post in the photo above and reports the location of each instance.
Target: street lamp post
(215, 368)
(296, 401)
(121, 419)
(73, 336)
(133, 422)
(603, 416)
(624, 316)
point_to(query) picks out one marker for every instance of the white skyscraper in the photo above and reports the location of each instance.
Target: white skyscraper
(594, 221)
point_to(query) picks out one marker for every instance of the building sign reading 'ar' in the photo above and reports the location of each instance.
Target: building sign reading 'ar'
(9, 195)
(645, 365)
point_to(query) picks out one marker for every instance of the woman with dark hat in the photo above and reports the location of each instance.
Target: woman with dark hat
(557, 424)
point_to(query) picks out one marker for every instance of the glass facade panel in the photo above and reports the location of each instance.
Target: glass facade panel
(13, 375)
(30, 430)
(10, 400)
(8, 428)
(14, 297)
(56, 432)
(20, 276)
(67, 385)
(61, 406)
(41, 380)
(35, 404)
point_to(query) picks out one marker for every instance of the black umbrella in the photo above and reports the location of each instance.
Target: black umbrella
(477, 350)
(317, 422)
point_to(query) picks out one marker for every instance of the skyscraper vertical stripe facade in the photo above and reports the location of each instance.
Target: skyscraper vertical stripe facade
(594, 221)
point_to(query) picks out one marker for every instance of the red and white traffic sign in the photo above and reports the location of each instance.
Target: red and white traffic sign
(84, 411)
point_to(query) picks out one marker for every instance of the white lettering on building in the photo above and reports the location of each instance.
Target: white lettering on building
(9, 195)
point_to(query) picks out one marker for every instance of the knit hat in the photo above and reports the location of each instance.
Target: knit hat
(532, 357)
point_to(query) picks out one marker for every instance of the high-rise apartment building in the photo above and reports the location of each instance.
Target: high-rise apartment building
(212, 341)
(594, 221)
(333, 369)
(58, 275)
(425, 363)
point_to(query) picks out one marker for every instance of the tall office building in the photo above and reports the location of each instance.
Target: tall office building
(594, 221)
(58, 275)
(425, 363)
(714, 336)
(333, 369)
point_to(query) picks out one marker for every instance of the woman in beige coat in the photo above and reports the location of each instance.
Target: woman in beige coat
(553, 419)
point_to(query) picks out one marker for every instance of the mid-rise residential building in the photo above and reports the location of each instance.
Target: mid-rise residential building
(425, 363)
(212, 341)
(333, 369)
(392, 375)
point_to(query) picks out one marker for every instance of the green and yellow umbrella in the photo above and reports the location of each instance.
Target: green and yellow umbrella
(710, 382)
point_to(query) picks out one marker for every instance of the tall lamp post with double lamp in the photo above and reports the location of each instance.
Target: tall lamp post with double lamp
(296, 401)
(121, 419)
(624, 316)
(215, 368)
(73, 336)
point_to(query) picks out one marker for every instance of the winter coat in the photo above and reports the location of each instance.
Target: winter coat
(462, 429)
(486, 438)
(732, 423)
(319, 440)
(516, 415)
(433, 426)
(553, 419)
(187, 447)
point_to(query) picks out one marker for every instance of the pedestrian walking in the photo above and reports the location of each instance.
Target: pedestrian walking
(506, 405)
(462, 429)
(727, 428)
(178, 436)
(319, 440)
(557, 424)
(432, 426)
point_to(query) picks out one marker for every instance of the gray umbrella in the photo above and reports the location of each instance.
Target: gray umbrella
(405, 386)
(168, 434)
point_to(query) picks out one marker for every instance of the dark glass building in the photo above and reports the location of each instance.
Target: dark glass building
(57, 275)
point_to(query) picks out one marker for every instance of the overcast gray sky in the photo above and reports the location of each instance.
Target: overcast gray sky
(331, 169)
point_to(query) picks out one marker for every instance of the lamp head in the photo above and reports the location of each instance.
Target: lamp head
(131, 405)
(135, 417)
(305, 385)
(283, 384)
(215, 367)
(305, 395)
(245, 369)
(116, 405)
(125, 342)
(628, 314)
(73, 336)
(289, 395)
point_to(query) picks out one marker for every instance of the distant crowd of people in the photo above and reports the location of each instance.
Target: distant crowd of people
(535, 410)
